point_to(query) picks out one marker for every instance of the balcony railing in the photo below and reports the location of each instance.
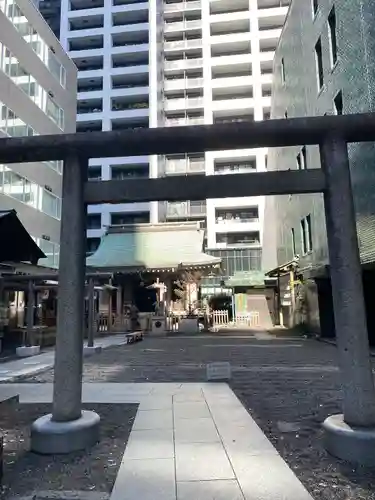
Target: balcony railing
(183, 44)
(182, 25)
(183, 83)
(125, 107)
(182, 6)
(91, 67)
(188, 103)
(184, 63)
(184, 166)
(237, 220)
(81, 111)
(186, 209)
(178, 122)
(239, 168)
(121, 85)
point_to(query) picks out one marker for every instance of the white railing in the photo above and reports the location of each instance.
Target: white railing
(184, 63)
(177, 122)
(182, 25)
(248, 320)
(188, 103)
(183, 83)
(183, 44)
(184, 166)
(186, 209)
(220, 318)
(182, 6)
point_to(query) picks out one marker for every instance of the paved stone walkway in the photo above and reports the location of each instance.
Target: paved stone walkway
(10, 370)
(189, 441)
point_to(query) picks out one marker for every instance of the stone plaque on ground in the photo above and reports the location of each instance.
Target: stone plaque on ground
(218, 371)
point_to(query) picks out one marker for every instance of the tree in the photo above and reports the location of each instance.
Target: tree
(185, 287)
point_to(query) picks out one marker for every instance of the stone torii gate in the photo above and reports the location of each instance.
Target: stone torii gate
(351, 435)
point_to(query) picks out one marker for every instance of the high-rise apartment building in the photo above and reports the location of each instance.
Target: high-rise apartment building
(176, 63)
(37, 96)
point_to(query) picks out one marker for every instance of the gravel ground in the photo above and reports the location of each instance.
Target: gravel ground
(92, 470)
(289, 387)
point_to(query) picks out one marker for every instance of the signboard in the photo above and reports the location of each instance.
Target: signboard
(220, 370)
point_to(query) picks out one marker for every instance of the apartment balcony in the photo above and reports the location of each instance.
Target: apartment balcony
(130, 14)
(84, 44)
(222, 6)
(85, 33)
(85, 23)
(183, 45)
(130, 71)
(88, 64)
(141, 49)
(129, 64)
(95, 95)
(126, 2)
(270, 37)
(184, 103)
(181, 122)
(231, 17)
(237, 65)
(89, 85)
(132, 111)
(225, 167)
(230, 23)
(183, 64)
(184, 166)
(240, 104)
(229, 84)
(85, 54)
(272, 18)
(229, 220)
(183, 84)
(130, 39)
(181, 26)
(229, 38)
(235, 226)
(129, 93)
(182, 6)
(86, 13)
(85, 4)
(89, 115)
(129, 83)
(133, 30)
(271, 4)
(186, 209)
(237, 239)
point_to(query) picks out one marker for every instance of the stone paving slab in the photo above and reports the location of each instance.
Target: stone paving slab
(206, 446)
(209, 490)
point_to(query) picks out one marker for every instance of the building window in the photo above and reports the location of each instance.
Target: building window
(303, 236)
(306, 235)
(94, 221)
(309, 233)
(293, 235)
(315, 7)
(319, 64)
(123, 218)
(282, 70)
(332, 36)
(302, 159)
(338, 104)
